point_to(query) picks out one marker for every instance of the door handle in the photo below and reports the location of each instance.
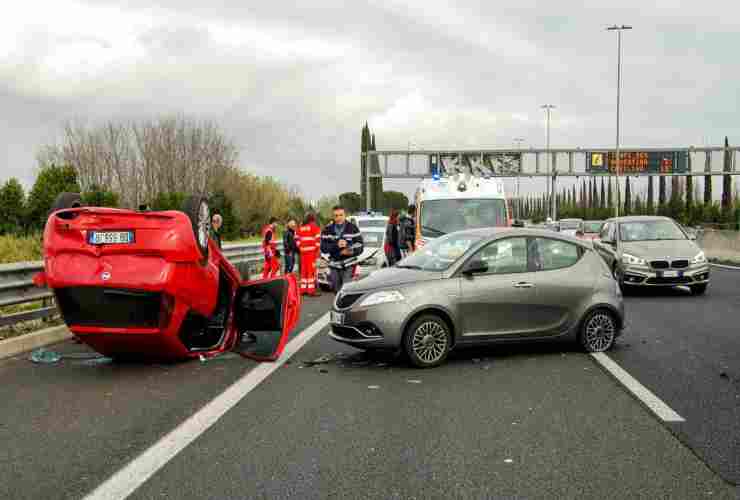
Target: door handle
(523, 284)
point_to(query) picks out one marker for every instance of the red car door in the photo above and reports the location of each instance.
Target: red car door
(267, 311)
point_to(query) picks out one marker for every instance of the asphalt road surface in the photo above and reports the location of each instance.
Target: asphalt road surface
(514, 422)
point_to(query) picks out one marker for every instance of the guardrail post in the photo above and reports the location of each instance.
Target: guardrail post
(537, 163)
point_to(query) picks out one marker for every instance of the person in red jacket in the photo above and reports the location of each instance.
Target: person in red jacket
(308, 238)
(269, 247)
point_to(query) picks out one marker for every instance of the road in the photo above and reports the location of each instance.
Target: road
(515, 422)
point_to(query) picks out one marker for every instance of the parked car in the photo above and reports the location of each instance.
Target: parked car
(151, 284)
(570, 226)
(479, 287)
(590, 229)
(652, 251)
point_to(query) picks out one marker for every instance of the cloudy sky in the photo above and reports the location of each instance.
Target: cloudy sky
(293, 82)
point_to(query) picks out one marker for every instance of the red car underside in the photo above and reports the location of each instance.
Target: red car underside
(140, 298)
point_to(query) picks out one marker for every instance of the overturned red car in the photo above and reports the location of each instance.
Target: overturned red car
(148, 284)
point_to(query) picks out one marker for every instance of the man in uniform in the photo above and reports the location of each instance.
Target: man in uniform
(269, 247)
(342, 240)
(308, 238)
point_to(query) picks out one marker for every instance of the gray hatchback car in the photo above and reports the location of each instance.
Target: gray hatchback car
(479, 287)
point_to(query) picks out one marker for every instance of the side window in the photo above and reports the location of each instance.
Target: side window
(605, 231)
(554, 254)
(505, 256)
(613, 231)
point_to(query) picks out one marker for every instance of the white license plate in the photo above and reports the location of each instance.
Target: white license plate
(670, 274)
(337, 318)
(111, 237)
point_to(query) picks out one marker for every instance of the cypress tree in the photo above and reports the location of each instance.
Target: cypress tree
(627, 197)
(595, 197)
(364, 146)
(650, 208)
(727, 179)
(609, 195)
(661, 191)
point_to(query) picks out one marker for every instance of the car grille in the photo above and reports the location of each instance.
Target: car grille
(669, 281)
(659, 264)
(680, 264)
(347, 300)
(109, 307)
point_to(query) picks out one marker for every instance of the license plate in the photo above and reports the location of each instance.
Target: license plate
(337, 318)
(670, 274)
(110, 237)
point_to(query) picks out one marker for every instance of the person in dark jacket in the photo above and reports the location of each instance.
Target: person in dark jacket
(342, 240)
(216, 223)
(392, 240)
(290, 246)
(407, 231)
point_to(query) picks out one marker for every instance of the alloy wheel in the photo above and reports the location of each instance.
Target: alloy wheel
(599, 332)
(430, 342)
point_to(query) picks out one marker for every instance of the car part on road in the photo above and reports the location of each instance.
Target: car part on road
(599, 331)
(45, 357)
(427, 341)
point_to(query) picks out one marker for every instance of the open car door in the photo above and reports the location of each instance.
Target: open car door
(267, 311)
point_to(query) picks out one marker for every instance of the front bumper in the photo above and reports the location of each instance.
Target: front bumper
(644, 276)
(376, 327)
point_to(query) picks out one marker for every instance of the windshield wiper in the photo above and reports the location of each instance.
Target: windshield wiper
(406, 266)
(439, 233)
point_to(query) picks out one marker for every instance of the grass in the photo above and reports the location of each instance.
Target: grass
(19, 248)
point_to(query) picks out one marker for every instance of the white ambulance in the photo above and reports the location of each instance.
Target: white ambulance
(462, 201)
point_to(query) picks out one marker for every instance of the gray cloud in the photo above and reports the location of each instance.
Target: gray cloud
(293, 83)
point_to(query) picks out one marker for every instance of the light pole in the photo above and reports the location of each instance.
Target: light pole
(548, 108)
(518, 141)
(617, 159)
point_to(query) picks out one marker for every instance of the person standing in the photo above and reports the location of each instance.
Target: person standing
(309, 241)
(407, 232)
(269, 248)
(216, 223)
(342, 240)
(392, 240)
(290, 246)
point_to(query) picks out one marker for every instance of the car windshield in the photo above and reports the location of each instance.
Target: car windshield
(372, 240)
(371, 223)
(440, 217)
(651, 230)
(439, 254)
(569, 224)
(592, 227)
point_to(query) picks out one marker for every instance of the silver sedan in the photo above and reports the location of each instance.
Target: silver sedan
(480, 287)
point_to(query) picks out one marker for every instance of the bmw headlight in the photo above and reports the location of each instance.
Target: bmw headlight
(632, 260)
(384, 297)
(700, 258)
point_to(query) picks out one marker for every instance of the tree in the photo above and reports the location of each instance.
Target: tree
(352, 202)
(394, 199)
(609, 194)
(727, 179)
(649, 209)
(50, 181)
(595, 196)
(168, 201)
(364, 147)
(627, 197)
(98, 197)
(689, 193)
(140, 160)
(708, 190)
(589, 194)
(376, 183)
(661, 190)
(12, 200)
(603, 195)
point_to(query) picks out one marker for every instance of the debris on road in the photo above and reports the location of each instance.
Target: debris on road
(724, 375)
(508, 461)
(321, 360)
(414, 381)
(42, 356)
(373, 387)
(100, 360)
(323, 370)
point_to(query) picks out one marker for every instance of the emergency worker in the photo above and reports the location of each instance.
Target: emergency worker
(342, 240)
(270, 250)
(308, 238)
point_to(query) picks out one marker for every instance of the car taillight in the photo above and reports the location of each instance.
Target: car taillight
(165, 310)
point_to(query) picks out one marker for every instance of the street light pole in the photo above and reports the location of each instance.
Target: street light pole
(518, 141)
(550, 186)
(617, 159)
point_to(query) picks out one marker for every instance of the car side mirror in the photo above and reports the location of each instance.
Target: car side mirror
(475, 266)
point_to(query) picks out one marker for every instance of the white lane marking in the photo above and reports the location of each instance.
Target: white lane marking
(724, 266)
(656, 405)
(124, 482)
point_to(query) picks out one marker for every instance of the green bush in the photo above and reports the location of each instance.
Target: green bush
(12, 207)
(50, 182)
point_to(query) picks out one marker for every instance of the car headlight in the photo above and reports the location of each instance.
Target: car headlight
(632, 260)
(700, 258)
(382, 298)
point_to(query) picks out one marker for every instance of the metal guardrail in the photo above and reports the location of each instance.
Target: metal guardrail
(17, 287)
